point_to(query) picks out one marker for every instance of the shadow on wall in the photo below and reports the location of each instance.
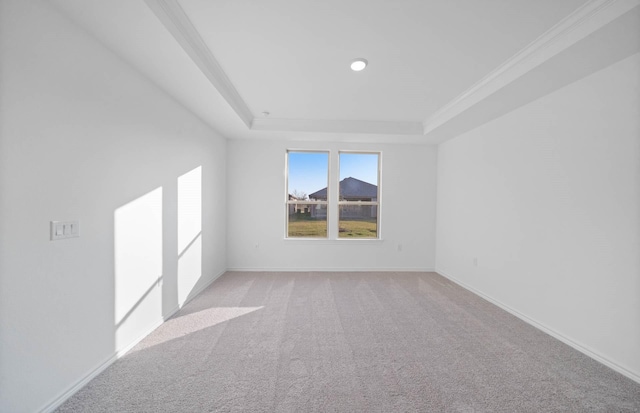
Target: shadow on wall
(141, 287)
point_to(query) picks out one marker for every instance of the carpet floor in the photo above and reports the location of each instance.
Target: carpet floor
(350, 342)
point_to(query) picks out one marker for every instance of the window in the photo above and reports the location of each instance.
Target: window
(345, 206)
(307, 174)
(359, 195)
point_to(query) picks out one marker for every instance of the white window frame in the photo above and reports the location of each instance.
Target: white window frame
(377, 203)
(289, 202)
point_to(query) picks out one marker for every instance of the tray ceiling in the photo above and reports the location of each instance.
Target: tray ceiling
(430, 62)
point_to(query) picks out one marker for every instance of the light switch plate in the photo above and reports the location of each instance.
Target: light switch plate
(64, 229)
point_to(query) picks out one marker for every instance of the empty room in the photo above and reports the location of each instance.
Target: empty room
(319, 206)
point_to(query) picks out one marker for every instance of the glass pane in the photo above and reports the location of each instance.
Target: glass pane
(359, 176)
(358, 221)
(308, 175)
(307, 179)
(307, 220)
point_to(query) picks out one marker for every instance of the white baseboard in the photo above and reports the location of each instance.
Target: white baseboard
(57, 402)
(79, 384)
(553, 333)
(329, 269)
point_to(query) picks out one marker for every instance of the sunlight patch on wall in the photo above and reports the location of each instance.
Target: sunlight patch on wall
(138, 266)
(189, 232)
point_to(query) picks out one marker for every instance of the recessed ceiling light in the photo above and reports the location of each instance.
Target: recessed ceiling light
(265, 113)
(359, 64)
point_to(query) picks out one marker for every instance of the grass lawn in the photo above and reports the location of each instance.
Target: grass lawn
(307, 228)
(318, 228)
(358, 229)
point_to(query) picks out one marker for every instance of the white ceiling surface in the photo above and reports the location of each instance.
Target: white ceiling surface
(291, 58)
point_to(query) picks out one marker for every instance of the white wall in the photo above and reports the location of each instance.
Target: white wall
(547, 198)
(84, 137)
(256, 211)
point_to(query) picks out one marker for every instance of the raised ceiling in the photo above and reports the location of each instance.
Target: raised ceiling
(432, 64)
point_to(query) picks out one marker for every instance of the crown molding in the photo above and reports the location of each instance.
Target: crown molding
(588, 18)
(338, 126)
(173, 17)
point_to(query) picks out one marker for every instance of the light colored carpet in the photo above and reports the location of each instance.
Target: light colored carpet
(351, 342)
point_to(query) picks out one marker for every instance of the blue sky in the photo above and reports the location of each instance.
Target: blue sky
(363, 166)
(308, 171)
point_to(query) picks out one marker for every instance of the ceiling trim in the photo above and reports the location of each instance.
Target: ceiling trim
(337, 126)
(173, 17)
(585, 20)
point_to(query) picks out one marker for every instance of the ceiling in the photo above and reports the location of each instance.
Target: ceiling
(436, 68)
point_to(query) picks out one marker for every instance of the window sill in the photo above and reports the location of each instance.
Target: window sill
(340, 241)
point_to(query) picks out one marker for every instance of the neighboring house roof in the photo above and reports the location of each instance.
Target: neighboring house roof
(351, 189)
